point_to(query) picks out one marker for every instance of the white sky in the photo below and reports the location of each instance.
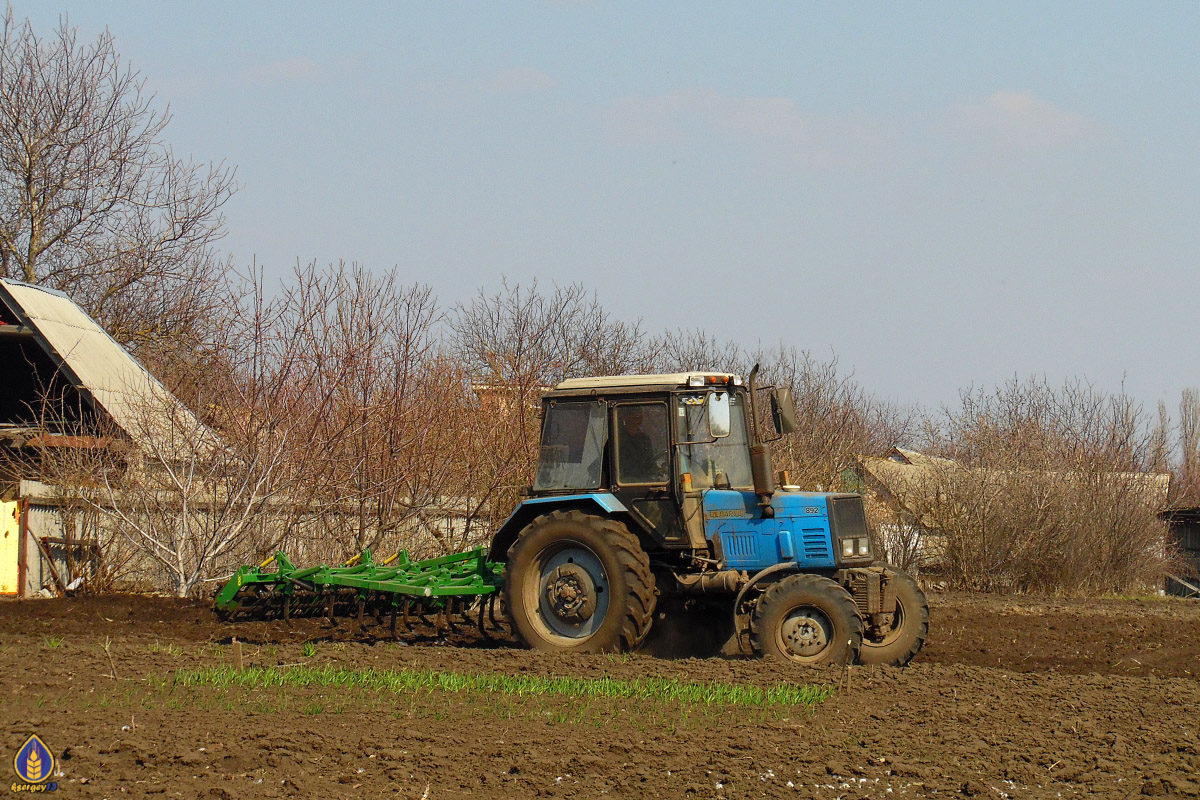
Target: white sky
(943, 194)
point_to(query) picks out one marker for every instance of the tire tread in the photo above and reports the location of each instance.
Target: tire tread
(902, 658)
(816, 583)
(635, 564)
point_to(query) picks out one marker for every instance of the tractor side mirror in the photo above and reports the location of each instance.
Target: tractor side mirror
(783, 411)
(718, 414)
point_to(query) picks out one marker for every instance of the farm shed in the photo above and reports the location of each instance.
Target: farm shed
(1184, 524)
(67, 386)
(904, 476)
(65, 374)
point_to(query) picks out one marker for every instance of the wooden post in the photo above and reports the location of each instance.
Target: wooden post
(22, 557)
(45, 551)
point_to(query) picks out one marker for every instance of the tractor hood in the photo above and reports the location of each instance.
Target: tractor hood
(816, 530)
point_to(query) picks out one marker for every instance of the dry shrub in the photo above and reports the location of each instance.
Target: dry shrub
(1046, 490)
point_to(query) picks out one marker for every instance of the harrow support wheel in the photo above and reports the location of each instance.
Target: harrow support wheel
(578, 583)
(905, 637)
(807, 619)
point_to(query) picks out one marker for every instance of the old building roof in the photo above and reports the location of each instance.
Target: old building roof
(104, 372)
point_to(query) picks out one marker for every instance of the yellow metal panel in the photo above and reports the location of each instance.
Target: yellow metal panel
(10, 546)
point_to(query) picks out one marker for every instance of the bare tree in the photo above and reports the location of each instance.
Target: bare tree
(1189, 444)
(394, 458)
(92, 201)
(695, 349)
(528, 338)
(839, 421)
(516, 343)
(1159, 459)
(368, 341)
(196, 492)
(185, 499)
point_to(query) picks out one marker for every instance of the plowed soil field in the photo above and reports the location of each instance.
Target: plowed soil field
(1012, 697)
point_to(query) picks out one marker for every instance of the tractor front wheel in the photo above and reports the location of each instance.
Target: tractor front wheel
(897, 642)
(807, 619)
(579, 583)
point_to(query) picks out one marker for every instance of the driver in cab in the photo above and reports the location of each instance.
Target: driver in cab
(642, 444)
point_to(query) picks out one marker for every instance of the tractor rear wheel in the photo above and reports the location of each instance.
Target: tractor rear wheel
(905, 636)
(806, 619)
(579, 583)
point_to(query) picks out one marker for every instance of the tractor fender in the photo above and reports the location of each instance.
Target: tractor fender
(779, 569)
(773, 572)
(603, 503)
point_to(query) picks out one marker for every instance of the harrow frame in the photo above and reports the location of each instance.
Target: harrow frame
(445, 585)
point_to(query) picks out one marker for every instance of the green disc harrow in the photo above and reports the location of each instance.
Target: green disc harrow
(449, 587)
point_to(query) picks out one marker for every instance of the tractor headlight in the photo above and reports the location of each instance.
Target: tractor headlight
(856, 546)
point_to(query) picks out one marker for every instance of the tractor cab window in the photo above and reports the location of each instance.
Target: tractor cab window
(721, 463)
(572, 450)
(643, 457)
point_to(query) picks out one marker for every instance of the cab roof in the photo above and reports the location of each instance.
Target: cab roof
(670, 380)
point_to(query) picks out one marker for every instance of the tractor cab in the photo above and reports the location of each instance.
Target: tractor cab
(654, 443)
(678, 453)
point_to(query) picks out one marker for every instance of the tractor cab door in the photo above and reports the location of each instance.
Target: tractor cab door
(717, 472)
(642, 470)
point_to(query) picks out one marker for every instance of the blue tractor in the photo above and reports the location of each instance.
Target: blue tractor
(655, 497)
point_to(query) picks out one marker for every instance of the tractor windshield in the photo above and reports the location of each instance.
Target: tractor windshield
(723, 463)
(572, 451)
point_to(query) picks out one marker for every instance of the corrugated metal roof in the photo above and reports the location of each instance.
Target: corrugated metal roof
(92, 360)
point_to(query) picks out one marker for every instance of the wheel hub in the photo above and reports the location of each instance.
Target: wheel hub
(805, 634)
(571, 593)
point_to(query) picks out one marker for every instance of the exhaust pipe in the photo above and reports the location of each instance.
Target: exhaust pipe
(761, 469)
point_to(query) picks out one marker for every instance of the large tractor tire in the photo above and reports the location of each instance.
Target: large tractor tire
(906, 636)
(806, 619)
(578, 583)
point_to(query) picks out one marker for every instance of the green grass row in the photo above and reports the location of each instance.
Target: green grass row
(413, 680)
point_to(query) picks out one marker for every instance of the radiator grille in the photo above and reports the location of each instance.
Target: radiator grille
(816, 544)
(847, 517)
